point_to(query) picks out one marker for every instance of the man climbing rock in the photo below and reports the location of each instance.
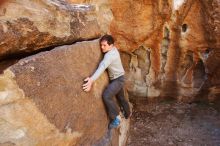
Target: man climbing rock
(112, 62)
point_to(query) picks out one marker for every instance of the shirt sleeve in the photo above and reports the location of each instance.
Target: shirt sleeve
(102, 66)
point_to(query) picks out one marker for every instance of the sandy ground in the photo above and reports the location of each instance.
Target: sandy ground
(174, 124)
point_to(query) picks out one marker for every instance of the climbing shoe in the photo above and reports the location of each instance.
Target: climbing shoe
(115, 123)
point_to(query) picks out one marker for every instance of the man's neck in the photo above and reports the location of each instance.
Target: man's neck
(111, 48)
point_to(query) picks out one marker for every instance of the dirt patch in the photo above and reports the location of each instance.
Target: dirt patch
(172, 123)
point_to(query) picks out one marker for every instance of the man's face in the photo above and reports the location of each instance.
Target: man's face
(105, 46)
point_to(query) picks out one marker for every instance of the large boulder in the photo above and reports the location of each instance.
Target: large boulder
(42, 101)
(29, 25)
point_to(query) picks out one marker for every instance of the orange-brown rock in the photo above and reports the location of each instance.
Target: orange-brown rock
(27, 26)
(174, 33)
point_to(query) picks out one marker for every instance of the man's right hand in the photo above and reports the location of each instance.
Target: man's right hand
(88, 85)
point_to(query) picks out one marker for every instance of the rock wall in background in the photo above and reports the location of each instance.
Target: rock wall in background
(165, 43)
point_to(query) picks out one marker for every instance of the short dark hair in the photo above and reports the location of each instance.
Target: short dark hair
(108, 38)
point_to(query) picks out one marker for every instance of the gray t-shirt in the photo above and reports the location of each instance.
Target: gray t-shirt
(112, 61)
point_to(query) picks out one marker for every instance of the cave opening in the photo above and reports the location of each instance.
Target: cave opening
(184, 27)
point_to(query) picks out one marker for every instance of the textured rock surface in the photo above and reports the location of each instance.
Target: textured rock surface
(27, 26)
(103, 12)
(167, 42)
(42, 102)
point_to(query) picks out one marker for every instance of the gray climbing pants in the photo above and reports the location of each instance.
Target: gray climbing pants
(115, 88)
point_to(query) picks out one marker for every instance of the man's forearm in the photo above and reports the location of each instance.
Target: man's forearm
(98, 72)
